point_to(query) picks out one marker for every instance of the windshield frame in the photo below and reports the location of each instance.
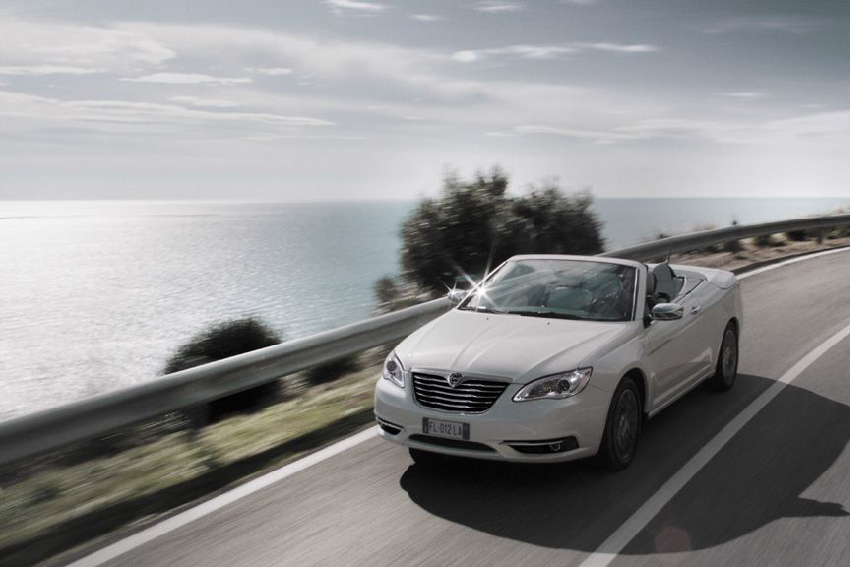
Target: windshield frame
(464, 304)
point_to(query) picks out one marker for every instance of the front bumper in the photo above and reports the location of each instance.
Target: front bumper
(498, 433)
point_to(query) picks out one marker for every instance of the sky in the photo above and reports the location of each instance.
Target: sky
(306, 100)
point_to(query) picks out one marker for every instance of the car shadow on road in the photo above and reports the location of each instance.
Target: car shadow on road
(758, 477)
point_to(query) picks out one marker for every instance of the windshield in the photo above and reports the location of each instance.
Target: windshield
(565, 289)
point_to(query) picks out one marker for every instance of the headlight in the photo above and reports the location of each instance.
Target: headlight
(393, 370)
(556, 386)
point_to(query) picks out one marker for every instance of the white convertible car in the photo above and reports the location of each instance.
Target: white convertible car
(555, 358)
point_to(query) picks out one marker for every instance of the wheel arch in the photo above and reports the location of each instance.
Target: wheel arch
(737, 325)
(639, 377)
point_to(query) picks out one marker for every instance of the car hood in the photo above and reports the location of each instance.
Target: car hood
(509, 346)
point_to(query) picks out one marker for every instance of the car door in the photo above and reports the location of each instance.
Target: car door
(675, 351)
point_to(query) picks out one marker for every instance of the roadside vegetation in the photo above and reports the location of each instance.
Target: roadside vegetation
(474, 225)
(61, 501)
(223, 341)
(56, 502)
(738, 254)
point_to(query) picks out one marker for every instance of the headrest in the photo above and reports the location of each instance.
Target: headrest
(662, 273)
(665, 283)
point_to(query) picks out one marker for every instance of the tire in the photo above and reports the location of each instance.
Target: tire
(427, 459)
(727, 362)
(622, 427)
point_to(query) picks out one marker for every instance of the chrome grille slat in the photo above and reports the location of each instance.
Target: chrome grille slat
(470, 393)
(498, 386)
(453, 407)
(472, 396)
(459, 399)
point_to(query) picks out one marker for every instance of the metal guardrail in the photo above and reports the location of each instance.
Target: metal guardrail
(90, 418)
(696, 240)
(52, 429)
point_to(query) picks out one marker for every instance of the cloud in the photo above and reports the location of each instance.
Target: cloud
(187, 79)
(37, 70)
(549, 51)
(494, 7)
(763, 24)
(212, 102)
(621, 48)
(28, 44)
(823, 125)
(579, 2)
(595, 136)
(743, 94)
(384, 69)
(830, 128)
(426, 17)
(342, 6)
(132, 111)
(94, 114)
(270, 71)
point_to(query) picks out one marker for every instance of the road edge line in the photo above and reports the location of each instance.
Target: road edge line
(609, 549)
(784, 263)
(124, 545)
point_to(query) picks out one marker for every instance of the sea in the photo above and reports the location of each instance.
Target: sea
(96, 295)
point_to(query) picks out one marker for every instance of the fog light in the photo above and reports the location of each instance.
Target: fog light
(546, 446)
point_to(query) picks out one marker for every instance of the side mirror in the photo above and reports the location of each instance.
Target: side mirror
(667, 312)
(457, 295)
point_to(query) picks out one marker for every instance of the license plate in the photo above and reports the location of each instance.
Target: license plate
(441, 428)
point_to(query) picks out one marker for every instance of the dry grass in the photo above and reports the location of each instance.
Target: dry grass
(751, 253)
(52, 497)
(45, 502)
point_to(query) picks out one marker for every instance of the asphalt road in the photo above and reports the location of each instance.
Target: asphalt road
(777, 494)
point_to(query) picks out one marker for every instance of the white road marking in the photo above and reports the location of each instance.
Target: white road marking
(616, 542)
(791, 261)
(121, 547)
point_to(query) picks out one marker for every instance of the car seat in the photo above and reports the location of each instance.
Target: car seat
(666, 285)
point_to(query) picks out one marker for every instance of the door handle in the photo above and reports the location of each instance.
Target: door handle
(696, 309)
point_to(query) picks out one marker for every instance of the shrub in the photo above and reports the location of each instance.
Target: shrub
(475, 225)
(765, 241)
(330, 371)
(768, 240)
(222, 341)
(386, 291)
(733, 246)
(44, 491)
(798, 235)
(393, 295)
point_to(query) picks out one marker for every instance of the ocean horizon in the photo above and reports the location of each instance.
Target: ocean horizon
(97, 294)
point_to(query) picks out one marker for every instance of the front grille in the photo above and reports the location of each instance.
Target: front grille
(471, 396)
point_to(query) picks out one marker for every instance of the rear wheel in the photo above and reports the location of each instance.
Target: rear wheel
(622, 427)
(727, 362)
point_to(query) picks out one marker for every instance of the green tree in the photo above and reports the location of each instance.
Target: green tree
(559, 224)
(475, 225)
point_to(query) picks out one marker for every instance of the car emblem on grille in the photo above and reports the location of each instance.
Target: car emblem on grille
(454, 379)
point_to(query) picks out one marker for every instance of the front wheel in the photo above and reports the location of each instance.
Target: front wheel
(727, 362)
(622, 427)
